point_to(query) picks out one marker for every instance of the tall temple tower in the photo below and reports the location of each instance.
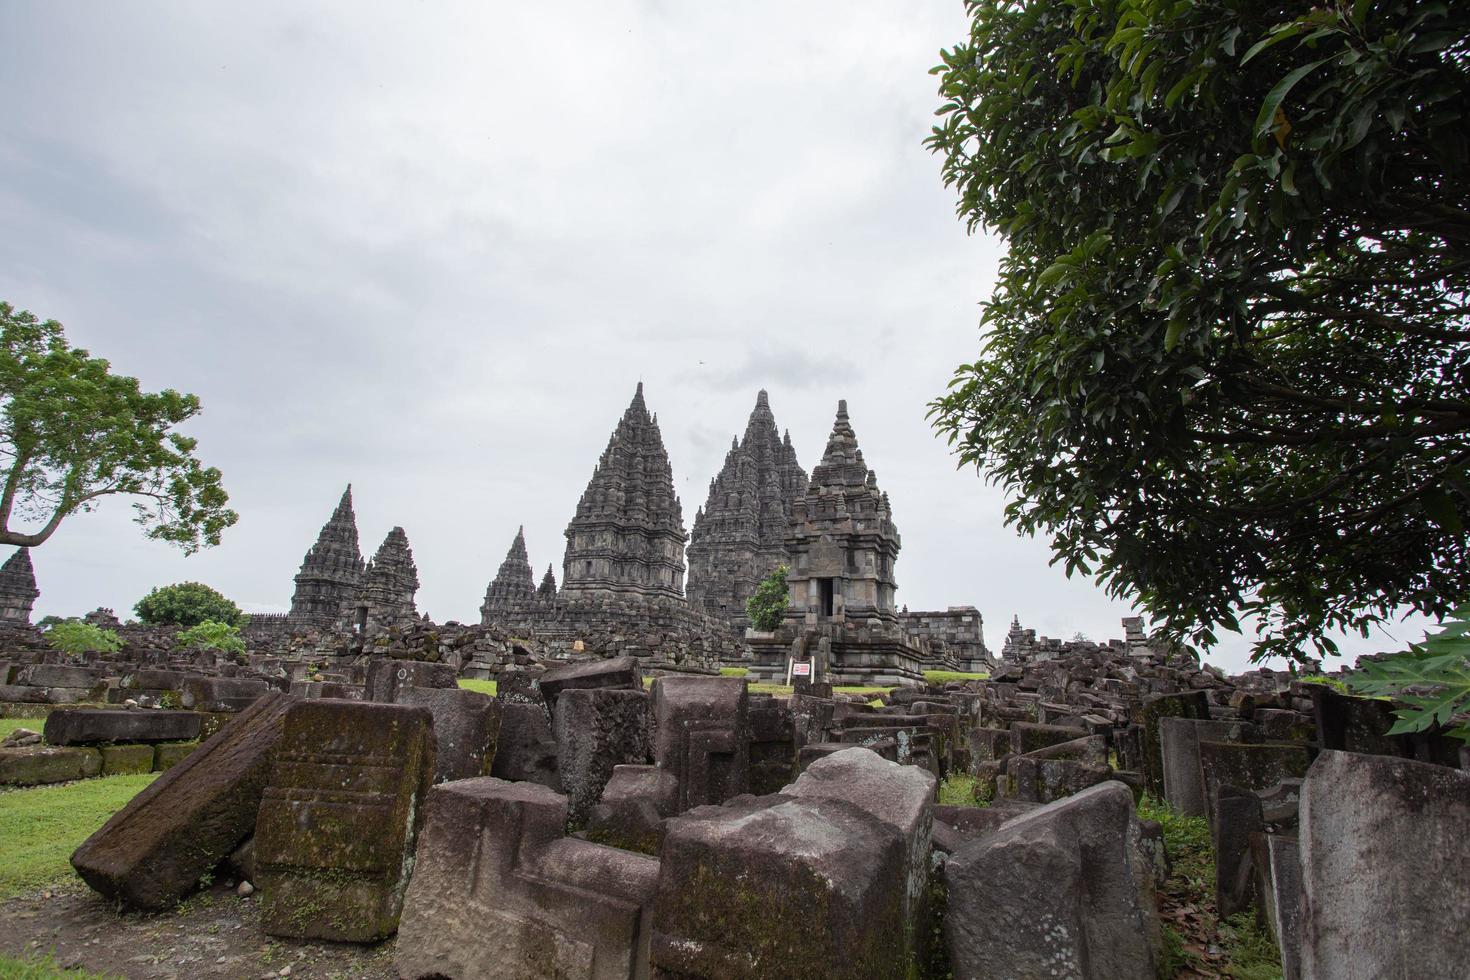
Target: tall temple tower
(842, 540)
(628, 535)
(513, 588)
(739, 534)
(18, 590)
(389, 584)
(332, 572)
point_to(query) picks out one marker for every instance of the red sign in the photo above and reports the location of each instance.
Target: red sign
(801, 668)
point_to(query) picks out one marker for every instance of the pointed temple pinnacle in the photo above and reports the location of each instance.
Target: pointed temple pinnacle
(762, 399)
(842, 409)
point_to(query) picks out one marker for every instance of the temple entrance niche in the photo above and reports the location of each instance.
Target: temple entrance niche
(825, 593)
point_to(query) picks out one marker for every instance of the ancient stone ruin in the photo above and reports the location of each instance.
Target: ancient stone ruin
(18, 592)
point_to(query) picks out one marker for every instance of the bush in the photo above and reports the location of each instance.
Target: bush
(74, 638)
(187, 604)
(211, 635)
(768, 605)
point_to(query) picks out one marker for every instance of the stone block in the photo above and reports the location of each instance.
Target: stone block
(900, 796)
(1384, 847)
(619, 672)
(338, 819)
(52, 675)
(22, 694)
(1037, 779)
(37, 765)
(221, 693)
(1237, 818)
(466, 729)
(776, 886)
(596, 729)
(119, 760)
(385, 677)
(151, 853)
(1179, 738)
(1248, 766)
(1028, 737)
(166, 755)
(1061, 891)
(1147, 715)
(701, 734)
(1278, 868)
(95, 726)
(526, 747)
(772, 744)
(635, 803)
(499, 892)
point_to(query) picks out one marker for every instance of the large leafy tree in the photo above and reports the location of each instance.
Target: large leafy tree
(73, 433)
(1226, 365)
(187, 604)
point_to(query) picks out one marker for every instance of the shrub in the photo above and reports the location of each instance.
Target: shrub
(74, 638)
(768, 605)
(212, 635)
(187, 604)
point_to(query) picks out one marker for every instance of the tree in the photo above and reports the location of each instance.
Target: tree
(212, 635)
(768, 605)
(1430, 679)
(1226, 357)
(187, 604)
(73, 433)
(74, 638)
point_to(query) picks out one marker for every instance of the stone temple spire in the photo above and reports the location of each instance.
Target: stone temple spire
(513, 587)
(628, 534)
(332, 572)
(390, 582)
(18, 590)
(739, 534)
(842, 538)
(546, 592)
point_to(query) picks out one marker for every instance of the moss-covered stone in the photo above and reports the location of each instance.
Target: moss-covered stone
(120, 759)
(41, 764)
(170, 754)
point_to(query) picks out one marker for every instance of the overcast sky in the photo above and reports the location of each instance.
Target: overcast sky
(430, 248)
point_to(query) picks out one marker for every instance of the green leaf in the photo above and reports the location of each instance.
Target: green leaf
(1441, 509)
(1172, 334)
(1265, 119)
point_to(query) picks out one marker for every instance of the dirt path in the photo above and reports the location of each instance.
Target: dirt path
(214, 934)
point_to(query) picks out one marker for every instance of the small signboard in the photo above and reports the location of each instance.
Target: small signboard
(802, 668)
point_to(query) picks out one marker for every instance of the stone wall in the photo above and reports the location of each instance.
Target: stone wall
(959, 627)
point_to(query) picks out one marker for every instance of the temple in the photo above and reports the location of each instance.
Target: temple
(332, 572)
(18, 590)
(739, 535)
(389, 585)
(513, 587)
(628, 534)
(841, 616)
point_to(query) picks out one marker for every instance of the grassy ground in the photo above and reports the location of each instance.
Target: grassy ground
(945, 676)
(8, 725)
(484, 687)
(41, 826)
(1195, 942)
(41, 969)
(958, 790)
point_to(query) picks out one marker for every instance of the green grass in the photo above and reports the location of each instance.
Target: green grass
(957, 790)
(945, 676)
(8, 725)
(484, 687)
(1252, 952)
(41, 969)
(40, 827)
(733, 671)
(1336, 683)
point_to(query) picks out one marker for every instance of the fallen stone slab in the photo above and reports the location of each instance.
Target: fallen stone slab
(525, 749)
(1147, 715)
(386, 677)
(498, 891)
(221, 693)
(339, 816)
(1384, 846)
(1062, 891)
(96, 726)
(619, 672)
(39, 765)
(634, 805)
(776, 886)
(701, 734)
(1179, 738)
(1248, 766)
(152, 852)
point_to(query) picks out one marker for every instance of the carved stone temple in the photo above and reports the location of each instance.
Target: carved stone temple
(389, 585)
(628, 534)
(739, 535)
(332, 573)
(18, 590)
(513, 589)
(842, 616)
